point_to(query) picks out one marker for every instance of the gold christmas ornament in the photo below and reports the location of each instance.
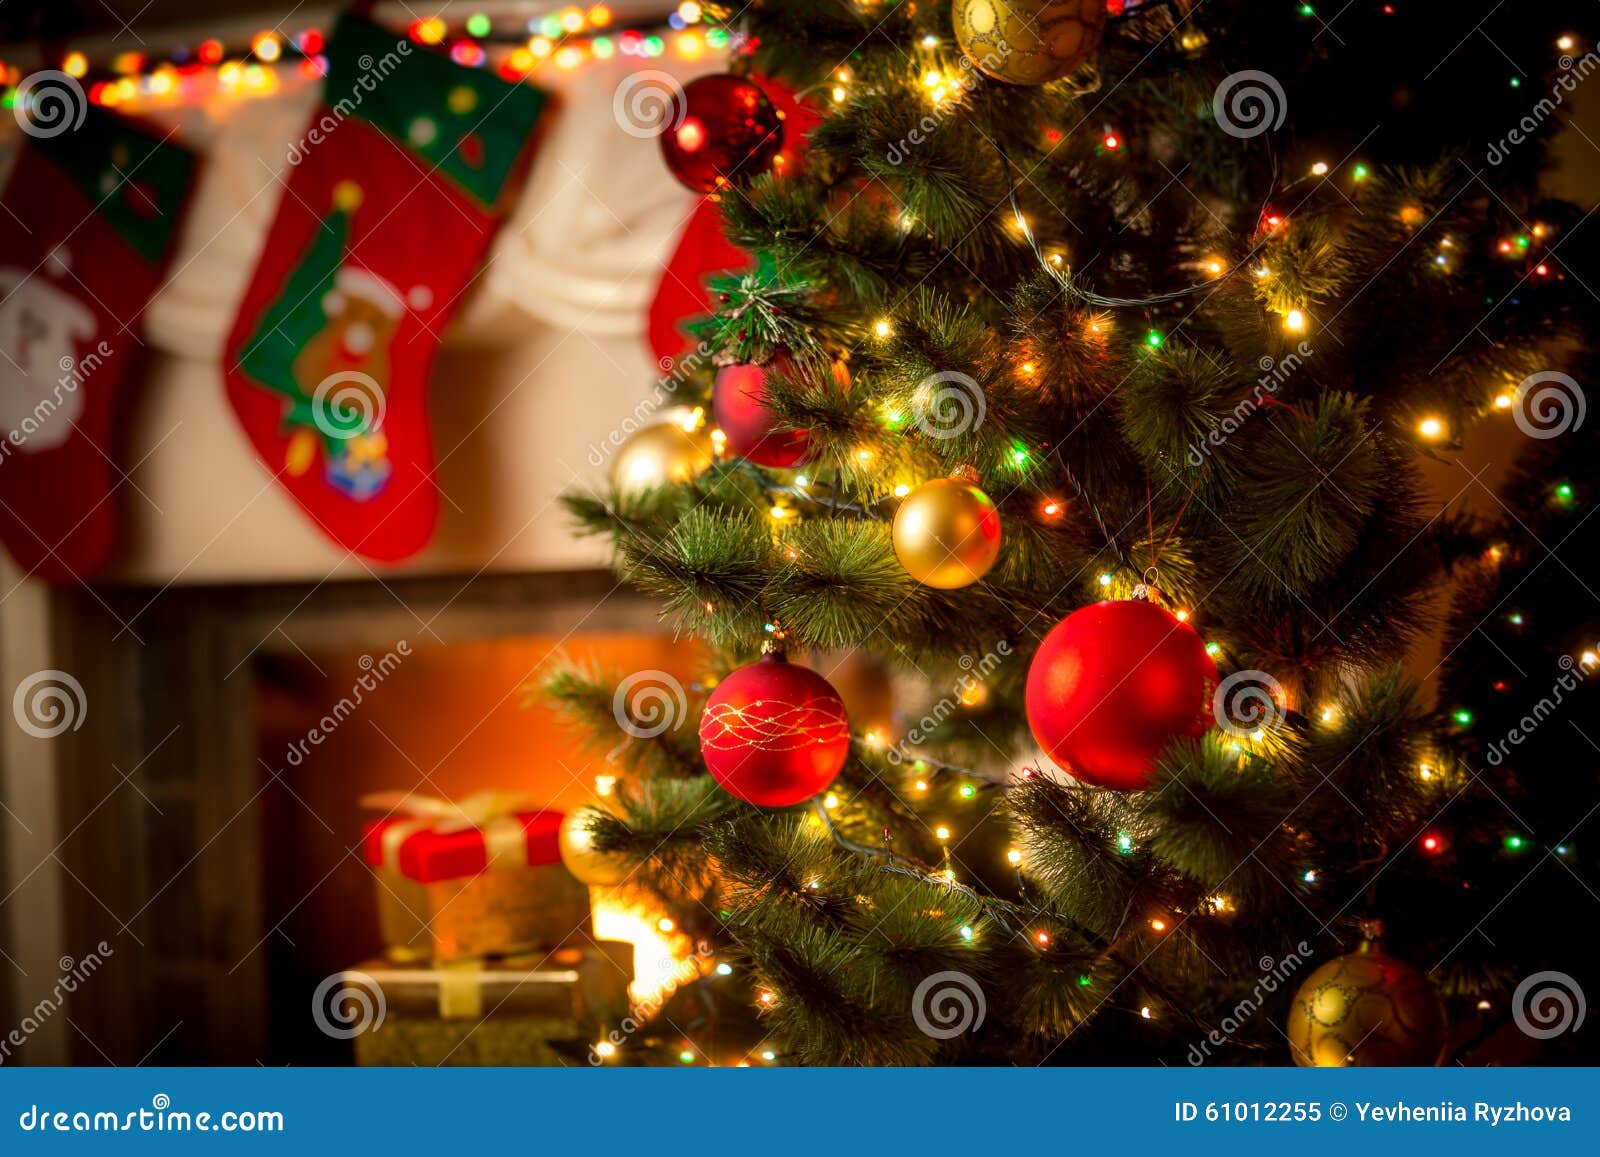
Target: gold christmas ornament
(1029, 41)
(947, 532)
(1366, 1008)
(598, 869)
(661, 455)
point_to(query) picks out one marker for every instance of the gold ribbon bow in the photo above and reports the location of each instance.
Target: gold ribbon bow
(493, 812)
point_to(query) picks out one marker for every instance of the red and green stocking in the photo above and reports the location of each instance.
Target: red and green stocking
(87, 224)
(395, 197)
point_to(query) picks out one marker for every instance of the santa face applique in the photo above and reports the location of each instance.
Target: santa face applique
(41, 330)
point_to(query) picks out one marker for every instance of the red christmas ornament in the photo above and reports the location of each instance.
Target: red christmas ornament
(774, 734)
(738, 403)
(727, 133)
(1112, 685)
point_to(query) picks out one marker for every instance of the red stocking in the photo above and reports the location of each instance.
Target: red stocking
(394, 196)
(88, 220)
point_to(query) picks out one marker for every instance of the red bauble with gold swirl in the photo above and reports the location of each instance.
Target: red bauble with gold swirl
(774, 734)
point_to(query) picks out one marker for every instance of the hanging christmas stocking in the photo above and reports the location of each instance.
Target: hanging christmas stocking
(396, 190)
(89, 215)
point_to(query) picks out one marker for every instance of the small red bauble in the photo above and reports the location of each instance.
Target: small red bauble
(739, 405)
(1114, 683)
(727, 134)
(774, 734)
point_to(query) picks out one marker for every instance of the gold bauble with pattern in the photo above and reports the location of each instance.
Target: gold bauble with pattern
(661, 455)
(1366, 1008)
(595, 868)
(1029, 41)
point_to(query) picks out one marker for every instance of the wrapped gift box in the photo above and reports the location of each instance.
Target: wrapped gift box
(479, 878)
(537, 1009)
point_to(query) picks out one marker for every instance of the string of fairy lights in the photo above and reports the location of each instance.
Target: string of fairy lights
(518, 50)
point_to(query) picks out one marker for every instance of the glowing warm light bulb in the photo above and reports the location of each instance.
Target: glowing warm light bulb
(1042, 936)
(1294, 321)
(1027, 367)
(1329, 714)
(1214, 267)
(902, 490)
(665, 924)
(605, 1049)
(766, 998)
(1430, 427)
(75, 64)
(1503, 401)
(830, 801)
(1014, 856)
(779, 512)
(942, 832)
(1105, 580)
(921, 785)
(266, 46)
(882, 328)
(1430, 843)
(1565, 43)
(1050, 508)
(1158, 925)
(1182, 616)
(1319, 168)
(1424, 771)
(1145, 1012)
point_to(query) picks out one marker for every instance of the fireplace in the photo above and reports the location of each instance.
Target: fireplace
(214, 847)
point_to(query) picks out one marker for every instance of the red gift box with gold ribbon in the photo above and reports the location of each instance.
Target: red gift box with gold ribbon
(476, 877)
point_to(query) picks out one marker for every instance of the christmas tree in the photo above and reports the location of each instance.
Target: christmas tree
(1081, 381)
